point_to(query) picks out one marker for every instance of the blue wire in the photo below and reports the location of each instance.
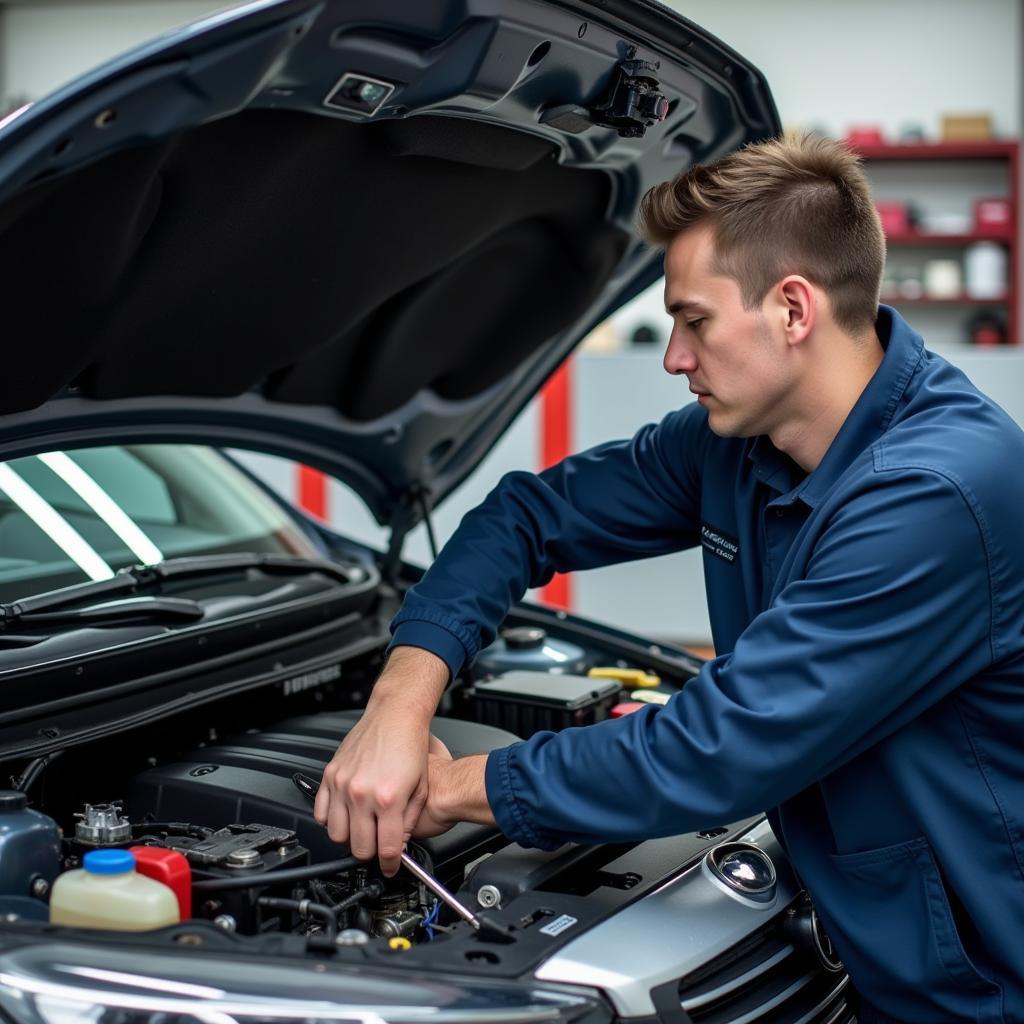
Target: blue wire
(431, 918)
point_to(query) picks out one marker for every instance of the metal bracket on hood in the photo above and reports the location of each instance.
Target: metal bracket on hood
(633, 104)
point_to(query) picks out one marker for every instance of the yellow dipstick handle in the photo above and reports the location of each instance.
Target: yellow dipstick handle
(398, 942)
(635, 677)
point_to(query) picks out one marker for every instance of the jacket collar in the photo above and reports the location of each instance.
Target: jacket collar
(868, 420)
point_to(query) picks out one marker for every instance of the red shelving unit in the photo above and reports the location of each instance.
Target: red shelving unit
(995, 150)
(959, 300)
(1005, 151)
(924, 238)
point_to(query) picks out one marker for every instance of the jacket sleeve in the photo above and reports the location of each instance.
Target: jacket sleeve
(893, 613)
(614, 503)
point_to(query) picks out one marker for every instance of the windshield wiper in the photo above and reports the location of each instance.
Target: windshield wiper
(140, 578)
(150, 609)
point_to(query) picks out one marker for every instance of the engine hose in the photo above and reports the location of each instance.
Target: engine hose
(32, 772)
(304, 908)
(373, 890)
(330, 867)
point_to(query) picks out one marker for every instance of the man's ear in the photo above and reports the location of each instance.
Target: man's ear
(799, 303)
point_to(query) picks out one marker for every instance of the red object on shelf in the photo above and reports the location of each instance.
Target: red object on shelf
(986, 337)
(169, 867)
(895, 217)
(993, 216)
(865, 135)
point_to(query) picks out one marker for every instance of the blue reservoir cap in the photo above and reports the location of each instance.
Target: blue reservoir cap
(108, 862)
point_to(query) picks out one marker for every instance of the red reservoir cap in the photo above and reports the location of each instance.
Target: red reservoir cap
(171, 868)
(626, 708)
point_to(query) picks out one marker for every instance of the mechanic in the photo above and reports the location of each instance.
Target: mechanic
(867, 604)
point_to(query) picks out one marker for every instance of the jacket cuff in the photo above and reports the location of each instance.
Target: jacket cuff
(433, 638)
(508, 811)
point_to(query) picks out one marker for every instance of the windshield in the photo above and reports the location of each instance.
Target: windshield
(67, 517)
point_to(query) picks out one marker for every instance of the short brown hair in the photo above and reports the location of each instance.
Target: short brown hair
(794, 205)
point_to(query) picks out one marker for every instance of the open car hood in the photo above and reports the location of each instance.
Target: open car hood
(222, 238)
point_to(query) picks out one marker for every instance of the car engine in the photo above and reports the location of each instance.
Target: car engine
(256, 779)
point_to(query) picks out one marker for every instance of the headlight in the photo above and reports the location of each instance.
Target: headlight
(70, 984)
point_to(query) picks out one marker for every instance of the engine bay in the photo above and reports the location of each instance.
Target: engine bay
(225, 793)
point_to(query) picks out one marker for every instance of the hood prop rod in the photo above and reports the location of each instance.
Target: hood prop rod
(423, 497)
(404, 519)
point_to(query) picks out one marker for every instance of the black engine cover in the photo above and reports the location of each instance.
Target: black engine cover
(247, 779)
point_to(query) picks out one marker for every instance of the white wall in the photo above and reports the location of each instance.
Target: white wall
(43, 45)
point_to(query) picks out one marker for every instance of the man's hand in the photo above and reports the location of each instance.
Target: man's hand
(429, 824)
(455, 792)
(375, 786)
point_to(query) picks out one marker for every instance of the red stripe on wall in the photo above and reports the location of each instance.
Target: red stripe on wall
(312, 490)
(555, 445)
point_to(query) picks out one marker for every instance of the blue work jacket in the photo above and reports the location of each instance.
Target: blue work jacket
(869, 688)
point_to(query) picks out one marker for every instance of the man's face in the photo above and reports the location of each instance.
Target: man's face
(737, 364)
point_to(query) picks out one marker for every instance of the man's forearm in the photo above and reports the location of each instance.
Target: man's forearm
(413, 679)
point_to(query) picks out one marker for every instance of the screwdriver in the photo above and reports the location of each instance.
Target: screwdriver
(487, 929)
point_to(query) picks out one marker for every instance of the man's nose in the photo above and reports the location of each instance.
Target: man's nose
(679, 357)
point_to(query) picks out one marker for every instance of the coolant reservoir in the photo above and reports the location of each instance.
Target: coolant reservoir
(106, 892)
(530, 649)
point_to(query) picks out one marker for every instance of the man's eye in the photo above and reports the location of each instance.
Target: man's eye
(695, 323)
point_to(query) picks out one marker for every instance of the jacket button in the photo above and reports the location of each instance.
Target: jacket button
(779, 513)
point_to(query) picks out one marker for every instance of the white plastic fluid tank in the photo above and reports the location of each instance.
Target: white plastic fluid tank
(106, 892)
(985, 270)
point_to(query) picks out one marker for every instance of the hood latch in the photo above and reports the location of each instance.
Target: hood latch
(633, 104)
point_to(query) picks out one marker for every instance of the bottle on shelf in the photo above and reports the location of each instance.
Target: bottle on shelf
(985, 270)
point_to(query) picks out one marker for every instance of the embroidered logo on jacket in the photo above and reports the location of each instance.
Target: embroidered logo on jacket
(719, 543)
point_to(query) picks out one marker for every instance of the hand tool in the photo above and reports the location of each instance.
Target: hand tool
(485, 928)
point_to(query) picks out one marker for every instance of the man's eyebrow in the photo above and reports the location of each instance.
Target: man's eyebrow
(680, 304)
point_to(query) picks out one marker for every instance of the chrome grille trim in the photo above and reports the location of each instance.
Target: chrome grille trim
(829, 1006)
(808, 1017)
(738, 982)
(758, 1013)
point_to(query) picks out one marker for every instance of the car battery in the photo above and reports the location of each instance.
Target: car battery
(525, 702)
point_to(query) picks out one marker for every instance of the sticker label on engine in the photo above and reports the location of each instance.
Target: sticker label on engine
(559, 925)
(297, 684)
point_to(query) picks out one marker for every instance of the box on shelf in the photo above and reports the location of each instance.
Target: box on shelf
(865, 135)
(966, 128)
(895, 217)
(993, 216)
